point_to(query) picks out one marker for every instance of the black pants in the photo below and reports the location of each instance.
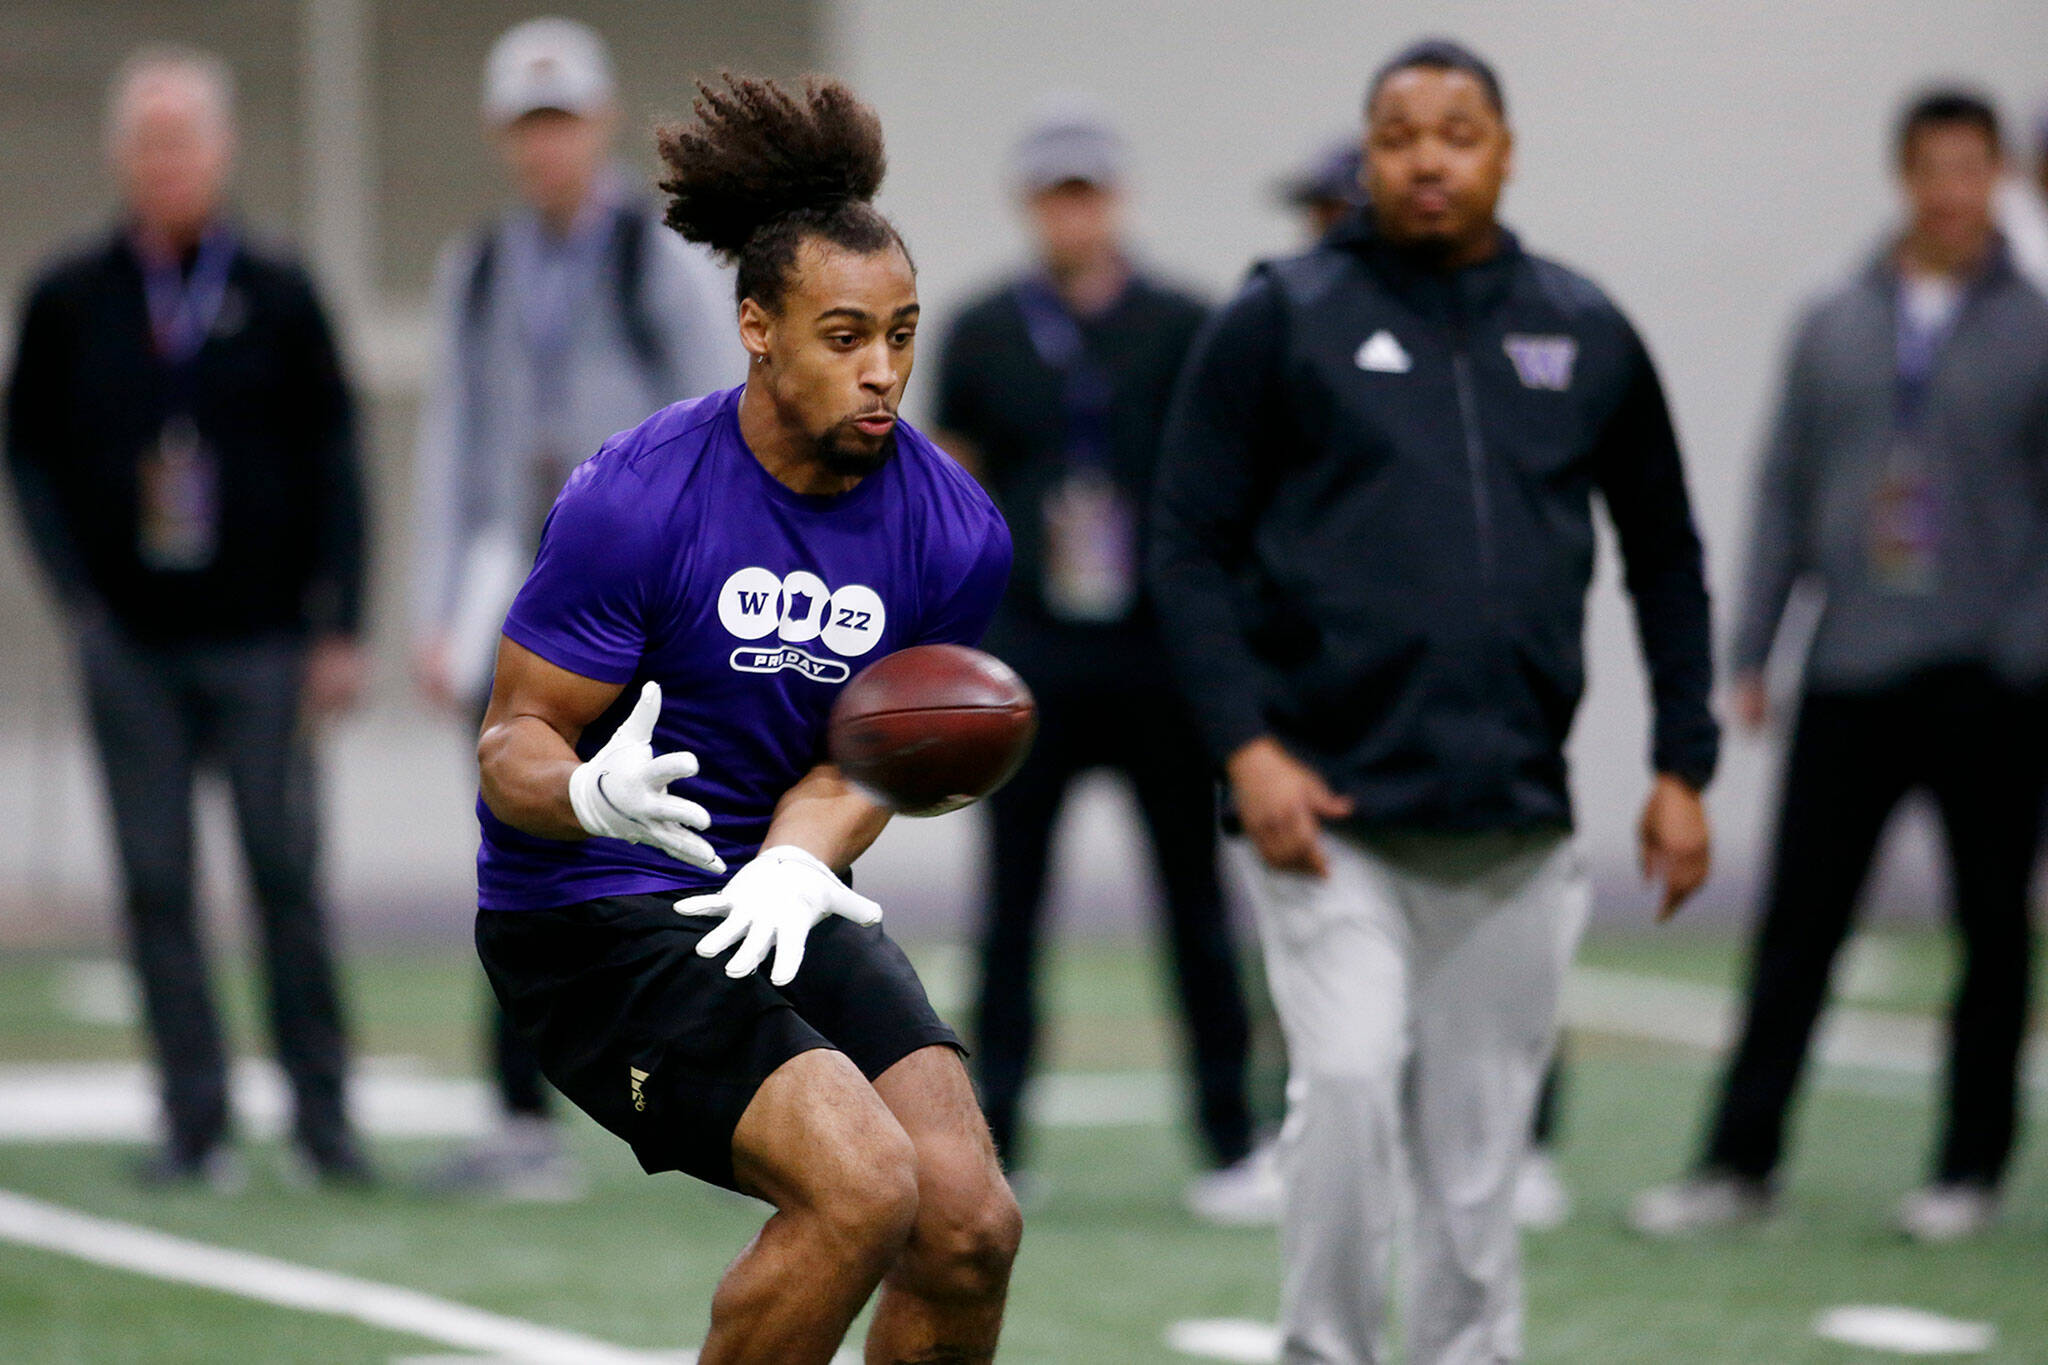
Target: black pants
(1549, 1101)
(1977, 747)
(1142, 733)
(157, 715)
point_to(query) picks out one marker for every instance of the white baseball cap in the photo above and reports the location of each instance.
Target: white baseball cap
(547, 64)
(1069, 137)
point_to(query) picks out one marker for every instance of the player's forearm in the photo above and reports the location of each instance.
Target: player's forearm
(826, 816)
(524, 767)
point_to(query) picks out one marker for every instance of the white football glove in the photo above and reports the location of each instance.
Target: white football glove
(622, 792)
(773, 902)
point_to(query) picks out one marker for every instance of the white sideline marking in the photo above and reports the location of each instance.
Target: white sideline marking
(145, 1251)
(1872, 967)
(1662, 1009)
(98, 990)
(1903, 1331)
(1232, 1339)
(1101, 1099)
(394, 1097)
(398, 1097)
(666, 1357)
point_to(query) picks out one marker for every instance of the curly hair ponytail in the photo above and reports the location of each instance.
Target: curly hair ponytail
(761, 169)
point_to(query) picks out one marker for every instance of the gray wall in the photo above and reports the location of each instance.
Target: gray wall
(1710, 163)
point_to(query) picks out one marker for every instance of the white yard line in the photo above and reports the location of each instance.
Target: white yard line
(1238, 1340)
(399, 1097)
(1869, 1051)
(1663, 1009)
(144, 1251)
(392, 1097)
(1904, 1331)
(664, 1357)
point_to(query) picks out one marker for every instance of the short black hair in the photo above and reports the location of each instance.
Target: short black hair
(1440, 54)
(1946, 106)
(761, 169)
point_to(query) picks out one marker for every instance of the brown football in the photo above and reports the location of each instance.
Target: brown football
(930, 728)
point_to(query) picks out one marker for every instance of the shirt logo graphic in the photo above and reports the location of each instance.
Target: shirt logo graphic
(1381, 354)
(1542, 362)
(798, 608)
(751, 660)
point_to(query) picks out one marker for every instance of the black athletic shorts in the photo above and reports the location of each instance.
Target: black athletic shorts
(661, 1046)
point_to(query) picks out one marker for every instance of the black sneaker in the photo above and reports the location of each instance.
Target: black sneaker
(215, 1170)
(333, 1162)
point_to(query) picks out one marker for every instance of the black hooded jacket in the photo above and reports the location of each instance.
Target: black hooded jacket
(1373, 534)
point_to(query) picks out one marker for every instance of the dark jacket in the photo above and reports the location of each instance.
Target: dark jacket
(1980, 443)
(999, 392)
(89, 396)
(1374, 533)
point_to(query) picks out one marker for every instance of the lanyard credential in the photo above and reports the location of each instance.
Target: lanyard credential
(182, 308)
(1085, 388)
(178, 477)
(1089, 525)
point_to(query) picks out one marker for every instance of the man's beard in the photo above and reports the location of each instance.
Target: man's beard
(1429, 247)
(840, 456)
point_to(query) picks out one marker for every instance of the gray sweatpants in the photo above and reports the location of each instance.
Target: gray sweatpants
(1418, 989)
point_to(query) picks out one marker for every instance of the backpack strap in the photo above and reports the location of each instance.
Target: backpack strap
(476, 291)
(629, 254)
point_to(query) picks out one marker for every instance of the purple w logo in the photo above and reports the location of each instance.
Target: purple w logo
(1542, 362)
(753, 603)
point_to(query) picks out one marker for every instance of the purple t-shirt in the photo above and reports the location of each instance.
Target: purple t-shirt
(672, 555)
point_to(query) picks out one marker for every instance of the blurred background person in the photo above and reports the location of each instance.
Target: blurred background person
(1325, 190)
(1052, 389)
(569, 317)
(2022, 204)
(1387, 667)
(183, 449)
(1904, 479)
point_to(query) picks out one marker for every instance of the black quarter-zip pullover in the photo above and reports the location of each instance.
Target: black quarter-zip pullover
(1373, 533)
(88, 400)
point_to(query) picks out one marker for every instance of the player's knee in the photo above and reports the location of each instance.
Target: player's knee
(967, 1238)
(873, 1205)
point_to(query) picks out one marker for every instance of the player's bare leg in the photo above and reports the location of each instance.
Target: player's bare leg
(818, 1144)
(942, 1303)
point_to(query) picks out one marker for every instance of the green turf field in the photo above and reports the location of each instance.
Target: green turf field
(1109, 1262)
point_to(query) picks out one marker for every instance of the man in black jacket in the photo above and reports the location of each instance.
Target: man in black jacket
(1053, 390)
(1371, 551)
(182, 446)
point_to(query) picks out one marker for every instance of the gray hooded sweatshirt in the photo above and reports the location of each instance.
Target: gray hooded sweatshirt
(547, 348)
(1919, 512)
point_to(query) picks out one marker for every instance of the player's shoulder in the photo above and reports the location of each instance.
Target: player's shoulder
(949, 503)
(933, 476)
(637, 477)
(669, 443)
